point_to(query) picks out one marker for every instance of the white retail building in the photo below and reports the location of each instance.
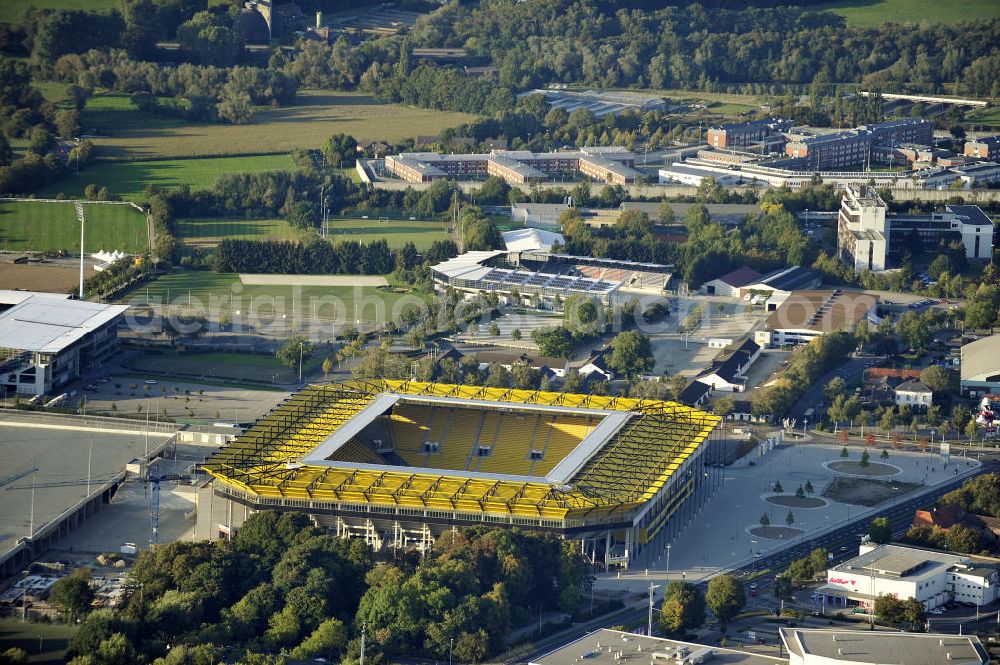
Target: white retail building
(934, 578)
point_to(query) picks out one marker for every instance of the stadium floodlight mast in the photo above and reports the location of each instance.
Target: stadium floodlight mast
(80, 216)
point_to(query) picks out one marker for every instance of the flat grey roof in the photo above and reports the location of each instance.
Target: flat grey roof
(884, 648)
(600, 647)
(899, 561)
(971, 214)
(981, 358)
(59, 455)
(49, 322)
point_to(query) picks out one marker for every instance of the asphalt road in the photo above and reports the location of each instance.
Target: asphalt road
(813, 396)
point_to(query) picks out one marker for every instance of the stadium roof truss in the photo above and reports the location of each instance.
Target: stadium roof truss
(616, 472)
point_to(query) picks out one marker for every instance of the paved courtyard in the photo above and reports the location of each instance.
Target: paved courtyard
(720, 535)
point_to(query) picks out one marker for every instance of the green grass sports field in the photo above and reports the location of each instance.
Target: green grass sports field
(129, 179)
(44, 226)
(44, 642)
(199, 289)
(208, 232)
(870, 13)
(397, 232)
(232, 366)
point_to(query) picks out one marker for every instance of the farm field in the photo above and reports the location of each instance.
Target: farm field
(129, 179)
(224, 293)
(52, 226)
(319, 114)
(208, 232)
(53, 638)
(396, 232)
(870, 13)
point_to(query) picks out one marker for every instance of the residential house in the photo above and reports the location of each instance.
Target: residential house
(914, 394)
(729, 371)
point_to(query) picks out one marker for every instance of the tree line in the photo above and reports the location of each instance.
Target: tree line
(283, 584)
(805, 365)
(347, 257)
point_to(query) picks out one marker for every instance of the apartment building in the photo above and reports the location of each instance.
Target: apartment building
(610, 164)
(987, 148)
(745, 134)
(852, 147)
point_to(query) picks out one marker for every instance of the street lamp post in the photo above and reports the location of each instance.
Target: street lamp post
(649, 628)
(753, 557)
(451, 646)
(668, 561)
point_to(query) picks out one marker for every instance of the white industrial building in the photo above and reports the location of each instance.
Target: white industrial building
(813, 646)
(933, 578)
(47, 340)
(981, 367)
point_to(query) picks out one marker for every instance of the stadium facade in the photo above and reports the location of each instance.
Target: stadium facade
(399, 462)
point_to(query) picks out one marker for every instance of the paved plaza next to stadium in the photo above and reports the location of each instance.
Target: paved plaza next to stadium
(727, 527)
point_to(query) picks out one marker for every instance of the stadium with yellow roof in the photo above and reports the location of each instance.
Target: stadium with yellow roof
(399, 462)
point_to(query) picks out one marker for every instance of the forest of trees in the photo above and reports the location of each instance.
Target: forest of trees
(282, 584)
(733, 49)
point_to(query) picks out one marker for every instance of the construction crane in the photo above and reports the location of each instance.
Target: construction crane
(154, 503)
(152, 480)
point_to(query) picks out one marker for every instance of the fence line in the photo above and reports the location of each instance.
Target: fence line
(84, 201)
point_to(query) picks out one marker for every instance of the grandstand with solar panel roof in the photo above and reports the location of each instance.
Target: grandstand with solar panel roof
(542, 278)
(399, 462)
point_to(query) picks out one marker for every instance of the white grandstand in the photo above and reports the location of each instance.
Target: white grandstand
(537, 277)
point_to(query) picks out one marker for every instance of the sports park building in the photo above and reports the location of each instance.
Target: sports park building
(47, 340)
(399, 462)
(540, 279)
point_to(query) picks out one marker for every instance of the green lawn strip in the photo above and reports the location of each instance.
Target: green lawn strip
(11, 10)
(210, 230)
(396, 232)
(121, 132)
(53, 226)
(221, 366)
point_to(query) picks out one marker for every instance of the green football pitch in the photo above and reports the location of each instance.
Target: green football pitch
(215, 294)
(397, 232)
(53, 226)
